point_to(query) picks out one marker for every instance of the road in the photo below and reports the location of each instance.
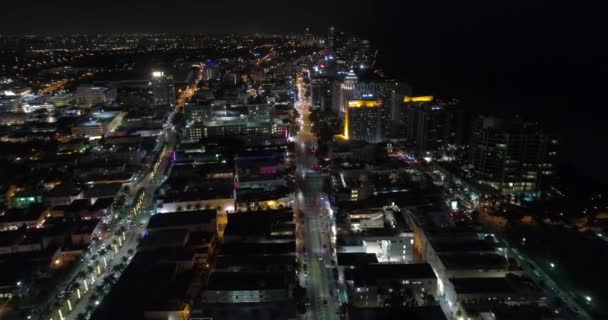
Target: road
(122, 245)
(540, 277)
(314, 238)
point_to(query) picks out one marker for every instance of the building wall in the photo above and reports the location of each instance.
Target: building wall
(365, 124)
(222, 205)
(90, 96)
(371, 296)
(246, 296)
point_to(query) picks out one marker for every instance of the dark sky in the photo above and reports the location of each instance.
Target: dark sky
(548, 58)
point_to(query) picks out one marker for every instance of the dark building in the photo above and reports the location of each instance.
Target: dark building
(513, 156)
(321, 92)
(434, 127)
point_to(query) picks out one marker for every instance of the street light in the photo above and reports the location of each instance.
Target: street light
(588, 298)
(552, 265)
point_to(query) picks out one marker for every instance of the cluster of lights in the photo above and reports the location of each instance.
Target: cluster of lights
(139, 202)
(418, 99)
(364, 103)
(88, 282)
(159, 160)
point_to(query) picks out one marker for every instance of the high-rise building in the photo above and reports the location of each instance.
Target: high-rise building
(342, 91)
(513, 156)
(163, 92)
(331, 40)
(212, 70)
(434, 127)
(363, 120)
(430, 128)
(321, 91)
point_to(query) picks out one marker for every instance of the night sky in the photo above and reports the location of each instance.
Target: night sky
(549, 58)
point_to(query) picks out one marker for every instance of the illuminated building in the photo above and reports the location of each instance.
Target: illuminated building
(220, 128)
(9, 103)
(24, 200)
(163, 92)
(90, 96)
(99, 125)
(212, 70)
(363, 120)
(418, 99)
(343, 91)
(512, 156)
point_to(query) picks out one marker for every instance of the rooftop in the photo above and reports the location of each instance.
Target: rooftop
(219, 280)
(177, 219)
(369, 274)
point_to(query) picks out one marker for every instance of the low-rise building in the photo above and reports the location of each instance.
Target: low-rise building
(375, 285)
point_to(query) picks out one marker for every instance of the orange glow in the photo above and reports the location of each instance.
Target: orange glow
(418, 99)
(346, 124)
(364, 103)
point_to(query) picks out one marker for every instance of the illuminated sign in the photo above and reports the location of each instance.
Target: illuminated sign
(364, 103)
(418, 99)
(157, 74)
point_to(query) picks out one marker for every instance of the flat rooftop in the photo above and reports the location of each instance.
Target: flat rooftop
(370, 273)
(397, 313)
(473, 261)
(219, 280)
(356, 258)
(177, 219)
(254, 261)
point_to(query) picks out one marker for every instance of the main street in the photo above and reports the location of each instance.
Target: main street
(124, 233)
(314, 240)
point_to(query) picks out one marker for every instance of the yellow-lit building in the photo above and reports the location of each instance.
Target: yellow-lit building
(363, 120)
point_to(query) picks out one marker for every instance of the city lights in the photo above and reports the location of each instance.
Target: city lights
(295, 174)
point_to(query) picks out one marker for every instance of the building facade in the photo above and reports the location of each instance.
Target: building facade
(363, 120)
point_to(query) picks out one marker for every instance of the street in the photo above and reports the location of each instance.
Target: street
(124, 232)
(314, 240)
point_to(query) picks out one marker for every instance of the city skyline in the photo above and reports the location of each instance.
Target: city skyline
(323, 161)
(510, 56)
